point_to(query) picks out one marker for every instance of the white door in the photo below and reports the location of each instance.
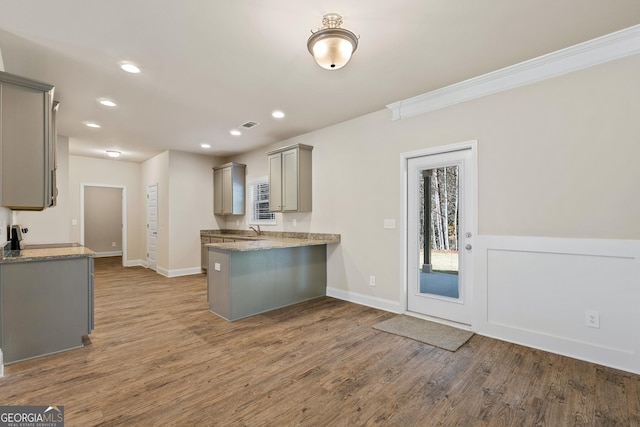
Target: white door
(152, 227)
(440, 228)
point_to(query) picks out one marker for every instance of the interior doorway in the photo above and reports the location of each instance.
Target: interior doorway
(441, 222)
(103, 220)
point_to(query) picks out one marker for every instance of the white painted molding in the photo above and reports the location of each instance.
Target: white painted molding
(603, 49)
(135, 263)
(179, 272)
(107, 254)
(369, 301)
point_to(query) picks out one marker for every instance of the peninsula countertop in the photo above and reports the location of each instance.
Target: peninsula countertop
(46, 252)
(248, 241)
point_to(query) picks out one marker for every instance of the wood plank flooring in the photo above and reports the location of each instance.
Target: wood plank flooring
(158, 357)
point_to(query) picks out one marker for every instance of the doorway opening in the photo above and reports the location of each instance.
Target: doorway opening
(103, 220)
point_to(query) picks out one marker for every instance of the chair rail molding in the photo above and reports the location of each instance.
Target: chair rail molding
(602, 49)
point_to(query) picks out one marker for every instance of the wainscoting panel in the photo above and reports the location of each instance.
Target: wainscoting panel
(540, 292)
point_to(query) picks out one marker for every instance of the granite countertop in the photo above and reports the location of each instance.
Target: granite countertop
(267, 240)
(46, 252)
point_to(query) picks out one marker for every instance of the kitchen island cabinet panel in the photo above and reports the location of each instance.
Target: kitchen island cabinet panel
(244, 283)
(45, 306)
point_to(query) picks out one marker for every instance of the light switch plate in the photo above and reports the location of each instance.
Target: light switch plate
(389, 224)
(216, 266)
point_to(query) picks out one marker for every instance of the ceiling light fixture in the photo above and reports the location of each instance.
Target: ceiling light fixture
(332, 46)
(235, 132)
(277, 114)
(106, 102)
(205, 145)
(92, 125)
(113, 153)
(129, 67)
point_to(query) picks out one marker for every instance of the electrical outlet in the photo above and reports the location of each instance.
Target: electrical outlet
(372, 280)
(592, 318)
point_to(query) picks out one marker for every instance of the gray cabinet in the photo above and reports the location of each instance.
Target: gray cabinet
(290, 179)
(229, 189)
(45, 306)
(27, 143)
(204, 255)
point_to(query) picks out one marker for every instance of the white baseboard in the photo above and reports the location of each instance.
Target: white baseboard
(107, 254)
(179, 272)
(369, 301)
(135, 263)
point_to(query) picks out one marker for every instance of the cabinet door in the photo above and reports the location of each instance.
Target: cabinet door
(290, 180)
(275, 182)
(217, 191)
(24, 124)
(227, 191)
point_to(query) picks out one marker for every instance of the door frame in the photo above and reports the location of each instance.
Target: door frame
(404, 219)
(123, 214)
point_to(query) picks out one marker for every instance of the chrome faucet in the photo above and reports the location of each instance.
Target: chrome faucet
(258, 231)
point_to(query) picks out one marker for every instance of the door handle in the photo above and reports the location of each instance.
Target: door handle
(467, 247)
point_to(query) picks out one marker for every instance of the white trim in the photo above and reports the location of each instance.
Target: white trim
(534, 291)
(179, 272)
(367, 300)
(124, 215)
(603, 49)
(107, 254)
(135, 263)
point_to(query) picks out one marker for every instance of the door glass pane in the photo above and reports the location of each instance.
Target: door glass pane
(438, 231)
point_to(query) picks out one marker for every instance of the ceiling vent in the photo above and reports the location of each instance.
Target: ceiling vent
(249, 125)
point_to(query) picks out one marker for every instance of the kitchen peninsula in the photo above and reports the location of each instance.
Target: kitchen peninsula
(249, 274)
(46, 300)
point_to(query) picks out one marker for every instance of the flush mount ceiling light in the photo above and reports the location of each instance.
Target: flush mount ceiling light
(113, 153)
(332, 46)
(129, 67)
(277, 114)
(235, 132)
(106, 102)
(92, 125)
(205, 145)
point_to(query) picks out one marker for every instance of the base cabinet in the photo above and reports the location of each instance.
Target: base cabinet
(45, 306)
(244, 283)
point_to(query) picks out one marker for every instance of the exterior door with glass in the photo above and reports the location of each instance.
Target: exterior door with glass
(440, 228)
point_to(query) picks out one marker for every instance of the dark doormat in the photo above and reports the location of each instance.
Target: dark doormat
(435, 334)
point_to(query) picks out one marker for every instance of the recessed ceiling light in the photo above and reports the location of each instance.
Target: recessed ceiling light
(277, 114)
(129, 67)
(205, 145)
(106, 102)
(235, 132)
(113, 153)
(92, 125)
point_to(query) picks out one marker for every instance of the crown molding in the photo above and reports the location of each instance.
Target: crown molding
(603, 49)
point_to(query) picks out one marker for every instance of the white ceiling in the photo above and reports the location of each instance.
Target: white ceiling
(210, 65)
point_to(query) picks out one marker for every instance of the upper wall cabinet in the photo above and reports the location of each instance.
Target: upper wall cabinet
(27, 143)
(229, 189)
(290, 179)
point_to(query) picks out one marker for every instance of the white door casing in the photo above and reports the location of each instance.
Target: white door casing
(152, 227)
